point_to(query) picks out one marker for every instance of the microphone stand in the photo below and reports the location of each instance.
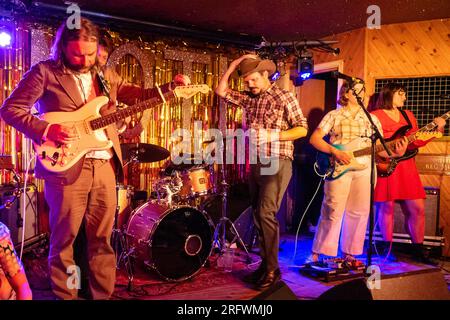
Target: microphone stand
(374, 137)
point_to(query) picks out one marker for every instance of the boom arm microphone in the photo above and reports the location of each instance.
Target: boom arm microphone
(351, 80)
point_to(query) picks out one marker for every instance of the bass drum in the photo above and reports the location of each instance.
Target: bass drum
(175, 242)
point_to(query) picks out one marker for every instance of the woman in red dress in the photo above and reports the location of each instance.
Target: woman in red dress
(403, 185)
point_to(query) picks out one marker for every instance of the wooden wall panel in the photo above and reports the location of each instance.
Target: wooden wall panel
(312, 96)
(408, 50)
(352, 46)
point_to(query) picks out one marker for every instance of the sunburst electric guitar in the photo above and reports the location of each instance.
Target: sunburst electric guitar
(327, 166)
(89, 126)
(386, 166)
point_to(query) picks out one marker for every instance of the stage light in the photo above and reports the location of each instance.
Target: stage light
(5, 39)
(275, 76)
(305, 67)
(6, 33)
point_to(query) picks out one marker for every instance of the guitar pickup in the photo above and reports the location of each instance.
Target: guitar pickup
(54, 158)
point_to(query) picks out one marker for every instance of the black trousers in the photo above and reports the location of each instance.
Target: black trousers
(267, 191)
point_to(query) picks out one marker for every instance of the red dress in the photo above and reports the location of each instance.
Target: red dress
(404, 183)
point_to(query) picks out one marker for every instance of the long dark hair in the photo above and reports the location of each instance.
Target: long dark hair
(88, 31)
(386, 95)
(373, 100)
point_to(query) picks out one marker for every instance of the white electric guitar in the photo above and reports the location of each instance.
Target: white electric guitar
(89, 125)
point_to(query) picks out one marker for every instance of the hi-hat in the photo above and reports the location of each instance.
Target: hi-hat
(144, 152)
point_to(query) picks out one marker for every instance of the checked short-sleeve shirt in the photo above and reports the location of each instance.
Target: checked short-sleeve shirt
(274, 109)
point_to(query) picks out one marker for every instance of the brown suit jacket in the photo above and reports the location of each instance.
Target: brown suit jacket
(53, 88)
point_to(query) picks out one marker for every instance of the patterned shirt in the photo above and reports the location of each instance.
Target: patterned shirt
(274, 109)
(343, 128)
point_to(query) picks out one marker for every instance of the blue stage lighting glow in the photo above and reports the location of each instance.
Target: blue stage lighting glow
(305, 75)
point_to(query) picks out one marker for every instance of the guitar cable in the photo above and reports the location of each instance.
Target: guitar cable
(307, 208)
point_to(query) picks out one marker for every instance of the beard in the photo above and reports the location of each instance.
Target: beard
(255, 91)
(76, 67)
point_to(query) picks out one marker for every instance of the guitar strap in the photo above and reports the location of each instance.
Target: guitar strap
(405, 116)
(102, 84)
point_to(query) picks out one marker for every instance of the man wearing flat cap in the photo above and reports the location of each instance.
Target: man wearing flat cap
(275, 112)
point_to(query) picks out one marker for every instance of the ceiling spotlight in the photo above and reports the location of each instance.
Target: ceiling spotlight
(305, 65)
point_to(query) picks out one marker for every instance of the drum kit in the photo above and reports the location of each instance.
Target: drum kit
(170, 233)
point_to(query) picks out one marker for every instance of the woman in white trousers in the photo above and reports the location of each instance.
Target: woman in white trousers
(346, 203)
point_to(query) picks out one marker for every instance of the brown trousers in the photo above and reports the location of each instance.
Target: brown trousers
(91, 199)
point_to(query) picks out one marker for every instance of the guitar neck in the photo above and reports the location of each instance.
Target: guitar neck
(111, 118)
(368, 150)
(411, 138)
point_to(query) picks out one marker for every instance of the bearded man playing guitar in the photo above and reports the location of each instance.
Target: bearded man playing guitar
(403, 183)
(85, 190)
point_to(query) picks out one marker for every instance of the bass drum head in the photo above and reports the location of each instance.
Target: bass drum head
(180, 243)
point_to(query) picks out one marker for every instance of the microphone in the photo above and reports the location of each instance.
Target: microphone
(445, 96)
(351, 80)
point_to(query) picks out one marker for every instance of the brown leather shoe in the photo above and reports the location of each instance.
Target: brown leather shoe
(255, 275)
(268, 279)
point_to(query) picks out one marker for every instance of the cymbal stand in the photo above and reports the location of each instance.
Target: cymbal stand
(220, 229)
(119, 240)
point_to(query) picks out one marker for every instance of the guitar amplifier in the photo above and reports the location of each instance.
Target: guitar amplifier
(433, 236)
(12, 215)
(431, 214)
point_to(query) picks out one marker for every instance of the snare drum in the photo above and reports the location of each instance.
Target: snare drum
(175, 242)
(196, 182)
(124, 195)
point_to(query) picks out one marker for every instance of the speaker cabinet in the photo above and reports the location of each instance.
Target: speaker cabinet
(433, 235)
(12, 216)
(431, 214)
(418, 285)
(279, 291)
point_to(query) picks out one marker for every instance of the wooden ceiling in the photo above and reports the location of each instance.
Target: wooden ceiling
(280, 20)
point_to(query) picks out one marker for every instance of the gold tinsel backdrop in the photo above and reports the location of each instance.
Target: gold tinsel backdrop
(143, 62)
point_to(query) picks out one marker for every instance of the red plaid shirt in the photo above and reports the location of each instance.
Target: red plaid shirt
(274, 109)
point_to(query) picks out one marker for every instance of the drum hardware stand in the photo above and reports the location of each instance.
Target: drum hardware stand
(125, 256)
(222, 225)
(120, 245)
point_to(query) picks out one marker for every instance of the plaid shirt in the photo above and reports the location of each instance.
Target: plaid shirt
(274, 109)
(343, 128)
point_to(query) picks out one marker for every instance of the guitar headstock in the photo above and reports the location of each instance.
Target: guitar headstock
(427, 135)
(191, 90)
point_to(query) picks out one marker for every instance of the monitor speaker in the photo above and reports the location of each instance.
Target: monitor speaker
(426, 284)
(279, 291)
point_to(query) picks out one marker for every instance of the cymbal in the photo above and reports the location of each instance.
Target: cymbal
(191, 162)
(144, 152)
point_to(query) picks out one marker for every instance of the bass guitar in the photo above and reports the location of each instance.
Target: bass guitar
(386, 166)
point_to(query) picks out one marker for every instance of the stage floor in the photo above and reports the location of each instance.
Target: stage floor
(210, 283)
